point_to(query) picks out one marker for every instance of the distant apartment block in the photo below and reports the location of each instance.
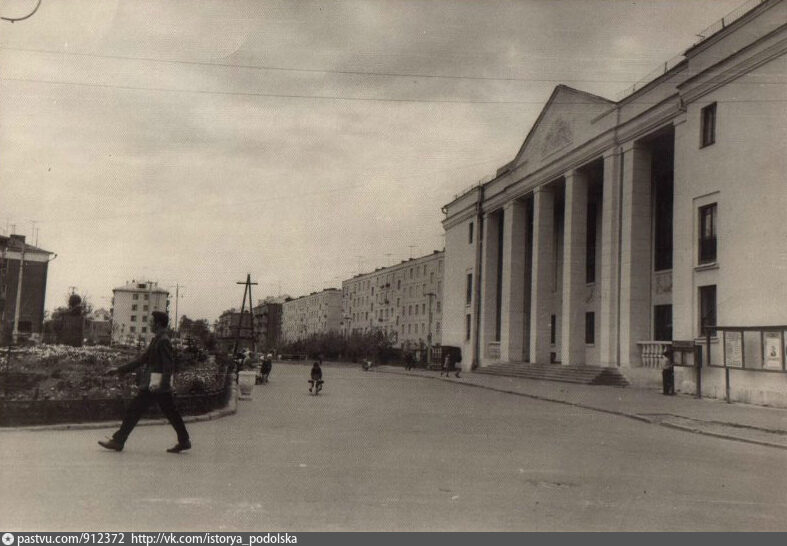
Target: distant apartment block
(317, 313)
(132, 305)
(404, 301)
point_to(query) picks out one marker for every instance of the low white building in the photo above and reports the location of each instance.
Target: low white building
(131, 308)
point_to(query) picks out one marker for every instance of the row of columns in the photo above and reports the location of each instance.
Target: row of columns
(529, 294)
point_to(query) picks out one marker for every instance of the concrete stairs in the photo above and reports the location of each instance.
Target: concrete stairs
(585, 375)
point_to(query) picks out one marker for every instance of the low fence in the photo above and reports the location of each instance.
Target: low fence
(46, 412)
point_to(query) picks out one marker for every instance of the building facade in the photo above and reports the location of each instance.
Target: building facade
(405, 301)
(15, 256)
(267, 322)
(131, 308)
(317, 313)
(620, 226)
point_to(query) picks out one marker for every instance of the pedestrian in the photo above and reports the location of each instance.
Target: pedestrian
(449, 362)
(408, 360)
(316, 378)
(267, 366)
(155, 385)
(668, 373)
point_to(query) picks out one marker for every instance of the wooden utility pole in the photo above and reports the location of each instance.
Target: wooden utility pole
(247, 288)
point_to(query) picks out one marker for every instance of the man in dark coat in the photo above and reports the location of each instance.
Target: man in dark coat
(155, 385)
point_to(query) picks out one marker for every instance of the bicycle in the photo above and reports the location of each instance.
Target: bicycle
(316, 386)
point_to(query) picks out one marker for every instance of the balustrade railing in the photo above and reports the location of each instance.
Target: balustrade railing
(652, 353)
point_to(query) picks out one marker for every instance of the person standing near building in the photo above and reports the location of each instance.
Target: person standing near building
(155, 385)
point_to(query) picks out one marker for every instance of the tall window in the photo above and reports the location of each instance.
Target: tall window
(662, 258)
(590, 257)
(470, 233)
(552, 329)
(590, 328)
(468, 325)
(707, 242)
(708, 125)
(707, 308)
(662, 322)
(469, 289)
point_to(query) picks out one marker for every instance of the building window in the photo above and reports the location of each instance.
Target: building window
(662, 322)
(144, 330)
(144, 319)
(707, 308)
(438, 306)
(147, 297)
(133, 318)
(399, 284)
(552, 329)
(469, 289)
(590, 248)
(590, 328)
(134, 307)
(664, 199)
(468, 324)
(135, 296)
(707, 242)
(144, 307)
(470, 233)
(708, 125)
(132, 329)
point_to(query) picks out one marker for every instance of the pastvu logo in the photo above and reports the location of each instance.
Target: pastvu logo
(8, 539)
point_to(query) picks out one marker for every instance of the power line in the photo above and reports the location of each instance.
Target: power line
(337, 97)
(308, 70)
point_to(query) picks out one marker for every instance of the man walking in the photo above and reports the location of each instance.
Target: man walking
(155, 385)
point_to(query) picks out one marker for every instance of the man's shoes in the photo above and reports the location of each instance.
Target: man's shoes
(180, 446)
(112, 444)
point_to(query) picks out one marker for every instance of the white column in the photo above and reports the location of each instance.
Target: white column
(513, 284)
(608, 282)
(489, 256)
(572, 338)
(543, 274)
(636, 253)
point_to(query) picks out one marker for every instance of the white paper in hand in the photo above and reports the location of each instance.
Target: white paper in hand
(155, 380)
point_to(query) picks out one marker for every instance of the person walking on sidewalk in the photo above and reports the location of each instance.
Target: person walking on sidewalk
(155, 385)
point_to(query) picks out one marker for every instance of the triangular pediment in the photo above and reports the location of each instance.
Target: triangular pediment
(565, 122)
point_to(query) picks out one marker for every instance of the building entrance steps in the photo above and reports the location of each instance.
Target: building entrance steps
(711, 417)
(585, 375)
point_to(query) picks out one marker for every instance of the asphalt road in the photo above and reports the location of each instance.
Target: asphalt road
(384, 452)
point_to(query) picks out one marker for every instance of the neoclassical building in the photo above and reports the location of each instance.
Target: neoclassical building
(623, 223)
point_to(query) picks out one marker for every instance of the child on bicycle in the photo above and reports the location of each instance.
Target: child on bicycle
(316, 378)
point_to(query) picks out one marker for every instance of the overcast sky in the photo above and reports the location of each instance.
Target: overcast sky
(195, 142)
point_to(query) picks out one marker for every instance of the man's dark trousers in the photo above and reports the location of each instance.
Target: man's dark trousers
(137, 408)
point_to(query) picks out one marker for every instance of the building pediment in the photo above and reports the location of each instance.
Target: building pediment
(566, 121)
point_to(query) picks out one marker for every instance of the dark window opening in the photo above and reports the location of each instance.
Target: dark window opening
(708, 125)
(708, 308)
(590, 257)
(469, 289)
(662, 322)
(468, 326)
(590, 328)
(663, 221)
(707, 242)
(552, 329)
(470, 233)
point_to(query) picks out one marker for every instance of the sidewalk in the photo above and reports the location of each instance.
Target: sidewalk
(740, 422)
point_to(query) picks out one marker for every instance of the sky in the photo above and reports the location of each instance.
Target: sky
(299, 142)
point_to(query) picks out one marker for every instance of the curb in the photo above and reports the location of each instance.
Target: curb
(230, 409)
(633, 416)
